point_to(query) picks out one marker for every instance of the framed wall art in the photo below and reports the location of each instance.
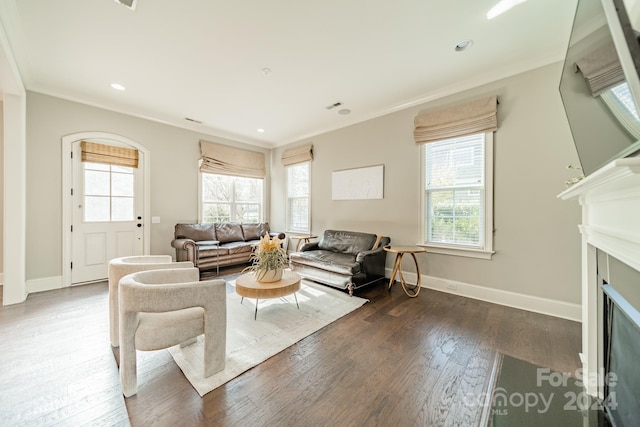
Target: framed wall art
(358, 183)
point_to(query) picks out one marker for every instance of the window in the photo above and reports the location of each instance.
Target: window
(108, 192)
(298, 189)
(624, 97)
(231, 198)
(620, 102)
(458, 191)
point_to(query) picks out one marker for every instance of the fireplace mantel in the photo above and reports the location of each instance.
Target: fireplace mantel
(610, 200)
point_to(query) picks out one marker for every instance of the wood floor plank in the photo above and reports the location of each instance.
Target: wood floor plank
(395, 361)
(436, 410)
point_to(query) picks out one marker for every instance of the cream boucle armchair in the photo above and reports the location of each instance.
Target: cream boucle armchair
(163, 308)
(120, 267)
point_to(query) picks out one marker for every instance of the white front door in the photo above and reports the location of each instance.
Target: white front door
(107, 216)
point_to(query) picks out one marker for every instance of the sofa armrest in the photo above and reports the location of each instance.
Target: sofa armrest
(360, 256)
(311, 246)
(183, 244)
(186, 250)
(373, 261)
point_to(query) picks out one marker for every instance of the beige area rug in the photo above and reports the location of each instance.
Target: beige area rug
(279, 325)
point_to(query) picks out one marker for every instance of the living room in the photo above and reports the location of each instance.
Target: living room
(524, 262)
(536, 264)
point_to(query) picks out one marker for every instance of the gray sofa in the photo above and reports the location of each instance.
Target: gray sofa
(218, 244)
(342, 259)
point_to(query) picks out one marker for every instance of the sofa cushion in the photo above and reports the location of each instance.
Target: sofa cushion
(195, 231)
(237, 247)
(255, 231)
(340, 263)
(229, 232)
(348, 242)
(211, 251)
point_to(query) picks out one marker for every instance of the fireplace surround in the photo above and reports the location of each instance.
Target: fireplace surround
(610, 229)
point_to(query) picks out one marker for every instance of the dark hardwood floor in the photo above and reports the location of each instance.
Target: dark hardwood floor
(396, 361)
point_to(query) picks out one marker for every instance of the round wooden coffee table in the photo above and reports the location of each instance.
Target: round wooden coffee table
(409, 289)
(248, 286)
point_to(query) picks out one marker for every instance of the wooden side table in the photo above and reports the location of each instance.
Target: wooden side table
(409, 289)
(248, 286)
(301, 239)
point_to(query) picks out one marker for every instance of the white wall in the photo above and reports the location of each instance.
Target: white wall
(537, 242)
(174, 174)
(14, 176)
(1, 191)
(14, 195)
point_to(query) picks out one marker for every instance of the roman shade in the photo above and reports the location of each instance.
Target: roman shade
(225, 160)
(601, 69)
(108, 154)
(467, 119)
(297, 155)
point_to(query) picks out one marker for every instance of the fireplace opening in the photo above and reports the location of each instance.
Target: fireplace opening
(621, 352)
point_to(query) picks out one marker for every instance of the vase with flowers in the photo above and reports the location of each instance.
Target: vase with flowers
(268, 260)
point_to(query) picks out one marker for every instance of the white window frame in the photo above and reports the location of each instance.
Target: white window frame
(486, 251)
(625, 113)
(261, 217)
(287, 201)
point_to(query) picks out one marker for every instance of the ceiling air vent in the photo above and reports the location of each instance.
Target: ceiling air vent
(131, 4)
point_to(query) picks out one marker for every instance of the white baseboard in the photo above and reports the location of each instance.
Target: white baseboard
(1, 279)
(547, 306)
(44, 284)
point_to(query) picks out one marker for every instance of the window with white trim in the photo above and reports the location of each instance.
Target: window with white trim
(298, 197)
(458, 196)
(227, 198)
(621, 103)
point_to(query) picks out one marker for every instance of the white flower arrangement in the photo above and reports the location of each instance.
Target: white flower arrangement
(268, 255)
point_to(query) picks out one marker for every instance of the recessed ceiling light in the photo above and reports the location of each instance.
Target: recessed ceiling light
(501, 7)
(344, 111)
(464, 45)
(260, 130)
(117, 86)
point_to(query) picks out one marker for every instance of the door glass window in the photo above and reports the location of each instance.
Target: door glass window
(108, 193)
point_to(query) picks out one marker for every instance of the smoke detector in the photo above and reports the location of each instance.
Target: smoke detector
(131, 4)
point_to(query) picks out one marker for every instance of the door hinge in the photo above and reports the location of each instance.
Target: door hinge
(72, 228)
(72, 191)
(72, 154)
(72, 265)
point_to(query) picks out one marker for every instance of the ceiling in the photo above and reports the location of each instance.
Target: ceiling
(243, 65)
